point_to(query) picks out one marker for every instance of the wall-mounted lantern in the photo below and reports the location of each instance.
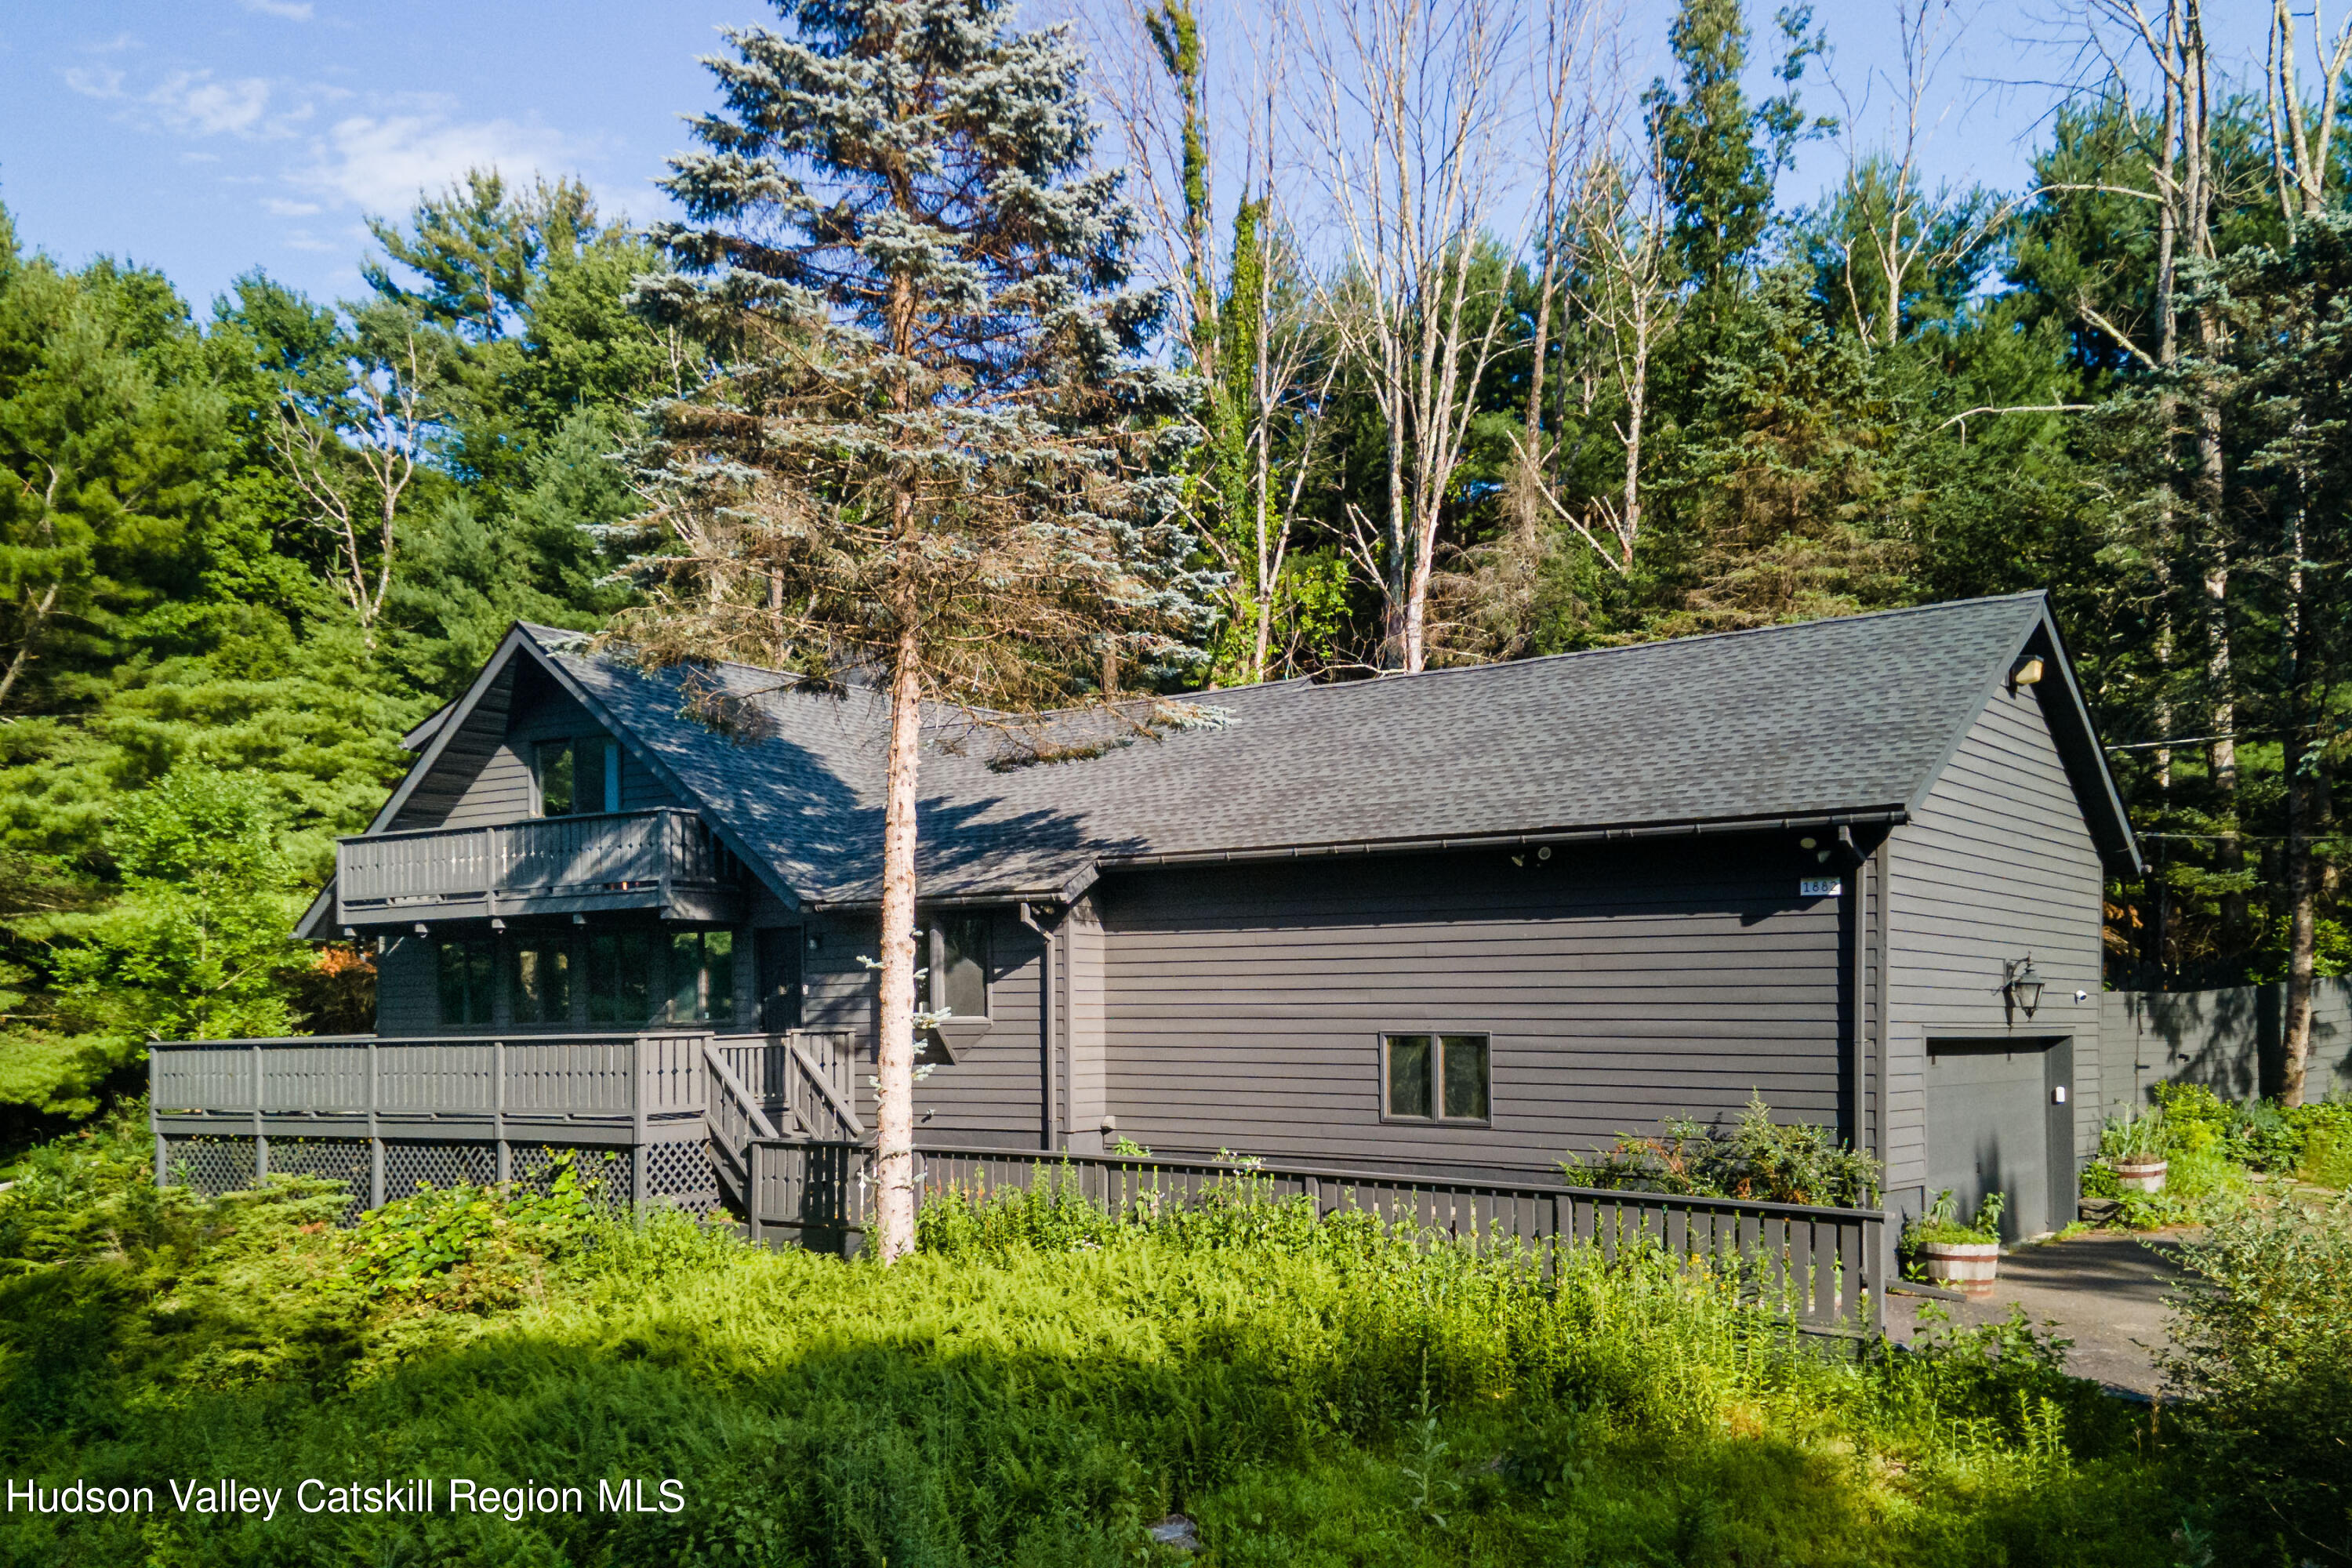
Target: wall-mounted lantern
(2022, 985)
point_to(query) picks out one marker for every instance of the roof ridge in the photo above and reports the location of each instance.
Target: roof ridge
(1938, 606)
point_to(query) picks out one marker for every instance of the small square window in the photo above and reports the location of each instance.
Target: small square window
(958, 966)
(1436, 1077)
(578, 777)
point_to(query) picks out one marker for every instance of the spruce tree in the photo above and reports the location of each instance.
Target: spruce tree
(934, 454)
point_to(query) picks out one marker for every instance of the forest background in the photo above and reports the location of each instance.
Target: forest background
(1501, 354)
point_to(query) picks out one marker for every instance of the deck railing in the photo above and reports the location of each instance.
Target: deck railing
(632, 857)
(571, 1076)
(1819, 1269)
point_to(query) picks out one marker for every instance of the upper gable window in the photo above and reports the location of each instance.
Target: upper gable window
(578, 776)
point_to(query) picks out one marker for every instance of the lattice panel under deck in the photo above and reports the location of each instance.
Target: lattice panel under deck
(681, 1174)
(446, 1165)
(210, 1165)
(343, 1160)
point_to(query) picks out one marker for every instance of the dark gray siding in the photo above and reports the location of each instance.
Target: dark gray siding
(485, 774)
(1242, 1006)
(1088, 1087)
(1996, 864)
(993, 1092)
(406, 999)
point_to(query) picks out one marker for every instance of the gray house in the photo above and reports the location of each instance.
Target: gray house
(1461, 921)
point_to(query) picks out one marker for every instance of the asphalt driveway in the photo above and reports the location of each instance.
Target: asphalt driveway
(2104, 1292)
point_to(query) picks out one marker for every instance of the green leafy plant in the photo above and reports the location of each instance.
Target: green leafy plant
(1941, 1222)
(2135, 1135)
(1755, 1157)
(2263, 1366)
(465, 1239)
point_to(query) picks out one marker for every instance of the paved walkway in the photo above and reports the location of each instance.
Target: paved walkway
(2105, 1292)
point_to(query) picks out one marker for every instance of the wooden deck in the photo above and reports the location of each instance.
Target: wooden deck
(665, 859)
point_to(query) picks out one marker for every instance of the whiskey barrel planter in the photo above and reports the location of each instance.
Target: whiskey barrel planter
(2140, 1175)
(1965, 1266)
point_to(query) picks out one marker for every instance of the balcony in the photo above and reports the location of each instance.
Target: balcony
(666, 860)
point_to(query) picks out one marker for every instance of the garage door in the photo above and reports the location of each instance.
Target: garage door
(1992, 1128)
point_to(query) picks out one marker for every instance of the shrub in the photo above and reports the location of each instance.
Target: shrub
(1942, 1222)
(1756, 1158)
(2135, 1135)
(2326, 1155)
(474, 1243)
(2264, 1364)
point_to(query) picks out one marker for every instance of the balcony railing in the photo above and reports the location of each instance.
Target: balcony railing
(667, 859)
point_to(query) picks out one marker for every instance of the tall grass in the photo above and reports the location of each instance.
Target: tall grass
(1037, 1385)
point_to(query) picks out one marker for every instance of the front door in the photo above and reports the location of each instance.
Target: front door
(779, 979)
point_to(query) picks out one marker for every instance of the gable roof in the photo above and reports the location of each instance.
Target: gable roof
(1845, 721)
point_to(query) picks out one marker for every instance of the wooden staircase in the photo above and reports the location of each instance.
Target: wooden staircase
(784, 1086)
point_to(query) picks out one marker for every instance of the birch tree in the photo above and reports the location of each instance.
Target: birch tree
(931, 455)
(1408, 110)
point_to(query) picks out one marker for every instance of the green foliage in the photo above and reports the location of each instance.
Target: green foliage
(1755, 1157)
(2135, 1135)
(1941, 1221)
(2325, 1158)
(1335, 1391)
(2265, 1367)
(469, 1246)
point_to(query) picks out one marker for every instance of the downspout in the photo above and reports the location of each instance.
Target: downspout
(1857, 864)
(1049, 1078)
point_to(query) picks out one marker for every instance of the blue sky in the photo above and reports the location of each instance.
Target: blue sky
(206, 137)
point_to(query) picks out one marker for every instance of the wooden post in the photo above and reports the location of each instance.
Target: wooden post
(375, 1131)
(260, 1139)
(638, 1122)
(499, 1112)
(751, 1192)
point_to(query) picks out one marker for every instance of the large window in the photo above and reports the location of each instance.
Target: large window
(620, 977)
(578, 776)
(466, 981)
(1436, 1078)
(542, 982)
(959, 965)
(701, 976)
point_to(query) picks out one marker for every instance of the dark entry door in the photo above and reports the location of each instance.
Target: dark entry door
(1995, 1124)
(780, 979)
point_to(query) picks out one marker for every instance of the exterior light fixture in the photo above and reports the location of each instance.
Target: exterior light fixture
(421, 930)
(2023, 985)
(2028, 671)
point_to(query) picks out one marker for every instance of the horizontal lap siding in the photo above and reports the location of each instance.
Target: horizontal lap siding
(484, 775)
(995, 1091)
(1997, 863)
(1242, 1007)
(407, 988)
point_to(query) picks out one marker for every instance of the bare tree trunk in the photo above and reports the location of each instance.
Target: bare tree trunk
(894, 1110)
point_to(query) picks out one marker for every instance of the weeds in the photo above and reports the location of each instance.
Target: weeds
(1036, 1387)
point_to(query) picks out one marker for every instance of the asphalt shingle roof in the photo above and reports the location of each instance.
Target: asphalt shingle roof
(1822, 719)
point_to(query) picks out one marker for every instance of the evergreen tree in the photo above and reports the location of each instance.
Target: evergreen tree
(927, 458)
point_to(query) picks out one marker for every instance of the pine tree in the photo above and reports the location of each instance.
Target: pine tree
(932, 456)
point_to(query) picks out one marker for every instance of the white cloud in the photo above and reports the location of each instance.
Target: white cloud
(194, 101)
(95, 81)
(380, 163)
(280, 207)
(292, 10)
